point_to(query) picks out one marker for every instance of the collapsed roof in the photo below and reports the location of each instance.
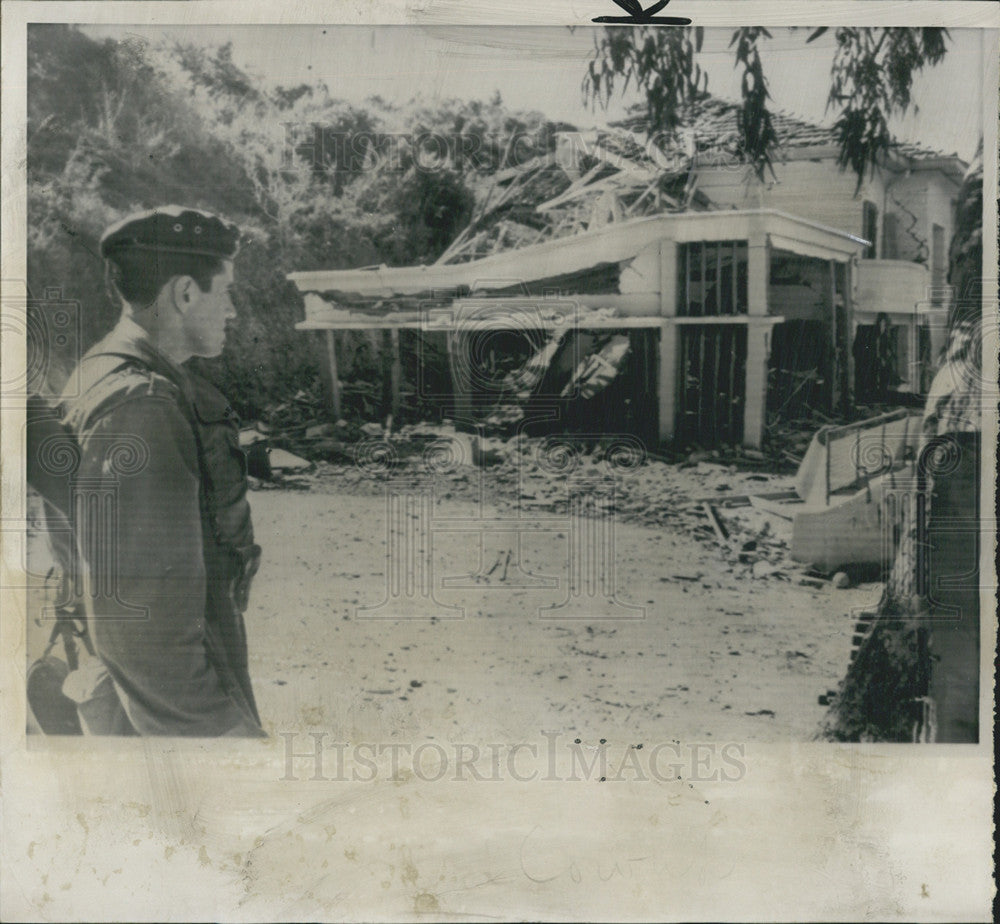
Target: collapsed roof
(625, 171)
(603, 253)
(591, 180)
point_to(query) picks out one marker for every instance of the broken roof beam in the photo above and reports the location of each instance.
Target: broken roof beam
(652, 187)
(633, 177)
(577, 188)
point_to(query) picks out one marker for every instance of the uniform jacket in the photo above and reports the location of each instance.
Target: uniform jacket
(161, 512)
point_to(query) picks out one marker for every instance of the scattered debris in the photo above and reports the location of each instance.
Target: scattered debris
(785, 510)
(713, 518)
(319, 431)
(722, 498)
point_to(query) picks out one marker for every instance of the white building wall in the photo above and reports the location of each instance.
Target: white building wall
(921, 200)
(814, 189)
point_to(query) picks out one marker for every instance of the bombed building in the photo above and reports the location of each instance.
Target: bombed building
(663, 291)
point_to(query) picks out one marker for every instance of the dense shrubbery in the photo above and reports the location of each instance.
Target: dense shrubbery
(119, 126)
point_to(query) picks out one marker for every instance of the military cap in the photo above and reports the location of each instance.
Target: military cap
(172, 229)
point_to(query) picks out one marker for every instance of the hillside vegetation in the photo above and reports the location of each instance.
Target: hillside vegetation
(117, 126)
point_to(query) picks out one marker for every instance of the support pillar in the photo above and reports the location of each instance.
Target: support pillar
(847, 282)
(666, 382)
(331, 360)
(395, 375)
(755, 407)
(837, 370)
(385, 361)
(758, 339)
(666, 378)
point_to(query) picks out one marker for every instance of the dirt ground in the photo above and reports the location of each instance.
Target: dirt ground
(707, 654)
(694, 646)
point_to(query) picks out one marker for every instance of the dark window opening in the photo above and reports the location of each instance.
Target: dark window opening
(939, 264)
(869, 227)
(712, 384)
(712, 278)
(890, 232)
(800, 373)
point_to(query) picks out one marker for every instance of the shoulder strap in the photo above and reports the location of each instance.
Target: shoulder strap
(157, 365)
(68, 630)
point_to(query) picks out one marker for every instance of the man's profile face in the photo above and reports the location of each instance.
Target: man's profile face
(205, 320)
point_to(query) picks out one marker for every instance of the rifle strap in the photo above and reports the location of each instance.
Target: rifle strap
(66, 628)
(161, 367)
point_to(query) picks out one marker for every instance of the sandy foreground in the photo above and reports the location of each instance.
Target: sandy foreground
(704, 655)
(497, 649)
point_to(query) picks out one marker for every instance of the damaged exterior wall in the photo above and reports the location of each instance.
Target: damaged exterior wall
(796, 191)
(747, 305)
(908, 215)
(919, 201)
(712, 368)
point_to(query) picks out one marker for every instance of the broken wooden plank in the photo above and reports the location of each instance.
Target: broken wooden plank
(713, 517)
(575, 189)
(787, 510)
(631, 210)
(743, 500)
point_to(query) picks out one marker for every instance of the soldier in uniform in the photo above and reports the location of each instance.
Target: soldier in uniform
(167, 566)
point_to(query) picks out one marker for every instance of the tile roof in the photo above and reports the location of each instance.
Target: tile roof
(714, 124)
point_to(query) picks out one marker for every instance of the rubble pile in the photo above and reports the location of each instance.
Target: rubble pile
(705, 495)
(788, 438)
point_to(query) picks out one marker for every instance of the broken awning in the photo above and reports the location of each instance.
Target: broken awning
(616, 242)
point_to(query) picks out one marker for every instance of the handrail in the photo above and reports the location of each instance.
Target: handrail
(825, 436)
